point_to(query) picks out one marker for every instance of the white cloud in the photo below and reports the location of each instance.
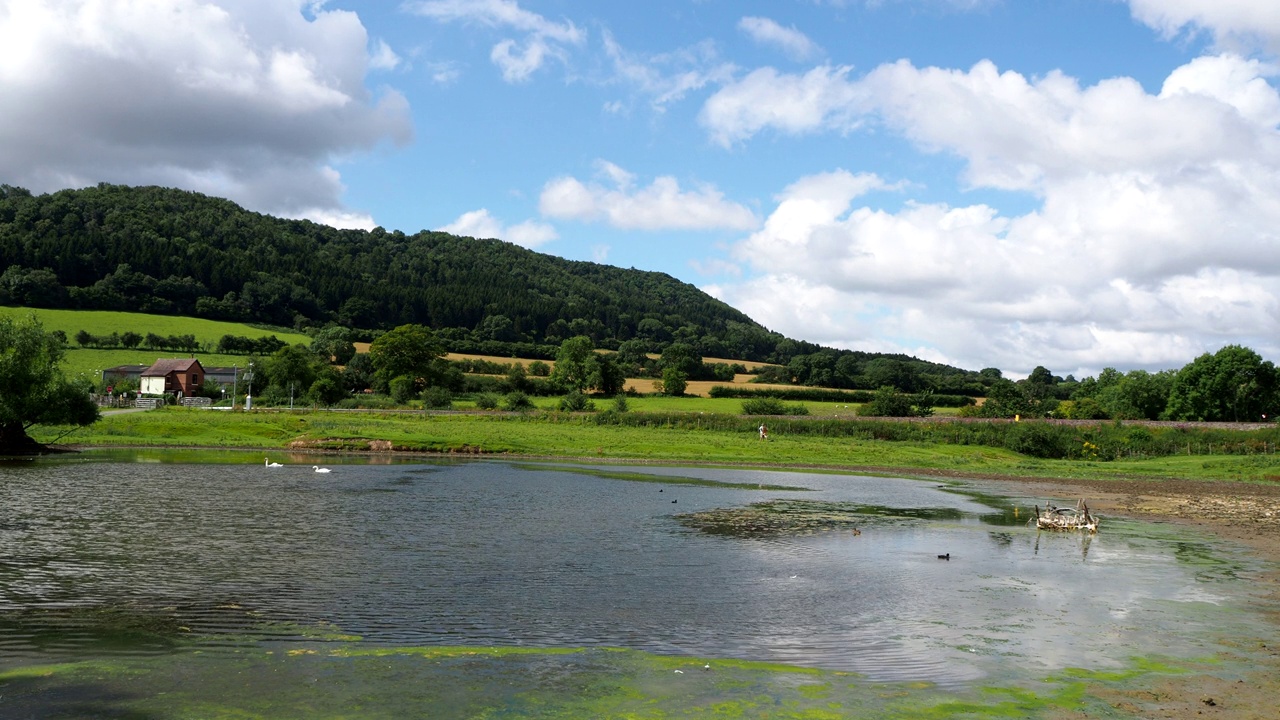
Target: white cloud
(795, 44)
(443, 72)
(249, 101)
(1234, 24)
(383, 57)
(517, 59)
(338, 218)
(667, 77)
(822, 98)
(662, 205)
(1157, 234)
(480, 224)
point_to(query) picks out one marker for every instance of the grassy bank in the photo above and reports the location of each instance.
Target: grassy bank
(659, 437)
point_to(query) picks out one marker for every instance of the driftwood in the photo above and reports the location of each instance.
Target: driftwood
(1056, 518)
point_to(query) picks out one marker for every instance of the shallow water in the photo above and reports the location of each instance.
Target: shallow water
(135, 559)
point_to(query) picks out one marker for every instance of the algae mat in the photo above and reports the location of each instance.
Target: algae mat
(350, 680)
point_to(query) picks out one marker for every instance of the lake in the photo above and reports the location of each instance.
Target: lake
(151, 565)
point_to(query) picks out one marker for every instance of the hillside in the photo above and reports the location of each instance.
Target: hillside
(172, 252)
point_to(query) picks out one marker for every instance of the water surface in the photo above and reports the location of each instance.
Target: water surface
(136, 558)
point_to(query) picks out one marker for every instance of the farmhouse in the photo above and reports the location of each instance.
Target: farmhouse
(182, 376)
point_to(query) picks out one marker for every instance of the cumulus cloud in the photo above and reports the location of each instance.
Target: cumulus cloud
(795, 44)
(480, 224)
(250, 101)
(1240, 25)
(661, 205)
(542, 39)
(820, 99)
(1156, 236)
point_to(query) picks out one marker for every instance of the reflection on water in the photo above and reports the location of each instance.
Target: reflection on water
(129, 558)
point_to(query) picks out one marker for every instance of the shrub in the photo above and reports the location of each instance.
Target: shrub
(674, 382)
(326, 390)
(620, 403)
(437, 398)
(517, 401)
(576, 402)
(1037, 439)
(366, 402)
(487, 401)
(887, 402)
(764, 406)
(401, 389)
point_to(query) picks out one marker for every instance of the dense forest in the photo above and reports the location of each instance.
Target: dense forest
(160, 250)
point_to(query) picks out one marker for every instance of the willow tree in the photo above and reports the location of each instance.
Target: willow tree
(33, 390)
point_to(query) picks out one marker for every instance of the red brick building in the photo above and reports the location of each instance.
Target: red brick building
(183, 375)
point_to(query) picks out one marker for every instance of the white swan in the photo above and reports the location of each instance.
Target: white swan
(268, 463)
(317, 468)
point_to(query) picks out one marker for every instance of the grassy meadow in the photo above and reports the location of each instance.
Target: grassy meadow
(684, 440)
(89, 362)
(660, 429)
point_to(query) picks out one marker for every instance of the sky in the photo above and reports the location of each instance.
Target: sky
(1074, 184)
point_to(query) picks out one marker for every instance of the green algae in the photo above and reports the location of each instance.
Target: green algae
(338, 681)
(802, 516)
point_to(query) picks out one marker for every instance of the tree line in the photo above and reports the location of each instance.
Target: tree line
(226, 345)
(1233, 384)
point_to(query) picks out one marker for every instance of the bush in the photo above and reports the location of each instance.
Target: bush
(674, 382)
(401, 389)
(487, 401)
(517, 401)
(326, 390)
(437, 398)
(1037, 439)
(763, 406)
(364, 401)
(576, 402)
(620, 403)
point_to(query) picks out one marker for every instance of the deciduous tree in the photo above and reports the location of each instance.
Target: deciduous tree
(33, 391)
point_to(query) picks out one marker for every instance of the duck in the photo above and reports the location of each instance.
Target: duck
(268, 463)
(945, 557)
(317, 468)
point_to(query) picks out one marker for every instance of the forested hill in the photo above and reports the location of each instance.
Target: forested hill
(166, 251)
(170, 251)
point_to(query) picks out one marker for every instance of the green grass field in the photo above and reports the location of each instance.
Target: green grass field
(105, 322)
(89, 362)
(538, 434)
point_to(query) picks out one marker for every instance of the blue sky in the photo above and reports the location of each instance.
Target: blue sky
(987, 183)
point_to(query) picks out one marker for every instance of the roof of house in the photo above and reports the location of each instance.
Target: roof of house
(163, 367)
